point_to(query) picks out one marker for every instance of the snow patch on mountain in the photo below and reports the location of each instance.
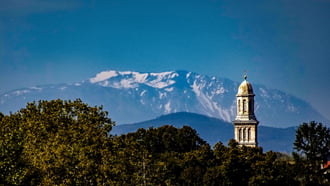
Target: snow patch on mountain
(140, 77)
(125, 72)
(142, 93)
(103, 76)
(20, 92)
(188, 75)
(127, 83)
(195, 88)
(162, 79)
(291, 108)
(221, 90)
(263, 93)
(169, 89)
(36, 88)
(131, 79)
(63, 88)
(168, 107)
(206, 98)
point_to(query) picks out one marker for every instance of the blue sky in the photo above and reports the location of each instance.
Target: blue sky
(282, 44)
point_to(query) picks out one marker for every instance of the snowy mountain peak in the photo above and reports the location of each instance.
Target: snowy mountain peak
(130, 79)
(135, 96)
(103, 76)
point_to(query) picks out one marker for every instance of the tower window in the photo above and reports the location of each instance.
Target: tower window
(240, 134)
(244, 105)
(239, 106)
(244, 134)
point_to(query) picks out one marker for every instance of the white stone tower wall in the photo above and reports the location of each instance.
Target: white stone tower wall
(245, 124)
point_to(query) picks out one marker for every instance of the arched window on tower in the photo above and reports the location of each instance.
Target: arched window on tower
(239, 106)
(249, 134)
(244, 105)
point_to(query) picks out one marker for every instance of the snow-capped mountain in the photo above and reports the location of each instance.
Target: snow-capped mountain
(134, 96)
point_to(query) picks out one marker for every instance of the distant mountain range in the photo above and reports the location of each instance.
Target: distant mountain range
(214, 130)
(131, 97)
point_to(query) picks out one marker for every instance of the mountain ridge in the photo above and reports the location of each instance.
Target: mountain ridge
(215, 130)
(145, 95)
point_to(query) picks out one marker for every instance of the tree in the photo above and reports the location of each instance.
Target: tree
(12, 164)
(195, 164)
(154, 156)
(313, 143)
(57, 143)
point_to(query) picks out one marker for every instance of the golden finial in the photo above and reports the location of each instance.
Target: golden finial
(245, 74)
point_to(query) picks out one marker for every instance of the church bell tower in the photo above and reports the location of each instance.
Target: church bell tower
(245, 124)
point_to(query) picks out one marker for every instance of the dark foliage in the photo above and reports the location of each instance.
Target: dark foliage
(312, 145)
(68, 143)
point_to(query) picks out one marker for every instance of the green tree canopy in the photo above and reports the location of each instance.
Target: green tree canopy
(56, 142)
(312, 145)
(313, 141)
(68, 143)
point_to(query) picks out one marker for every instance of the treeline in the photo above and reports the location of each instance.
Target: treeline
(68, 143)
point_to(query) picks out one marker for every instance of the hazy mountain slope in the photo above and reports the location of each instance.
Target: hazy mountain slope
(213, 130)
(133, 96)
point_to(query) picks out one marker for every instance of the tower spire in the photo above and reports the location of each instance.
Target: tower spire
(245, 123)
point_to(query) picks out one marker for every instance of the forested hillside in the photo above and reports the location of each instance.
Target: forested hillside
(214, 130)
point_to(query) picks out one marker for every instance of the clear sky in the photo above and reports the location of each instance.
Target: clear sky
(283, 44)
